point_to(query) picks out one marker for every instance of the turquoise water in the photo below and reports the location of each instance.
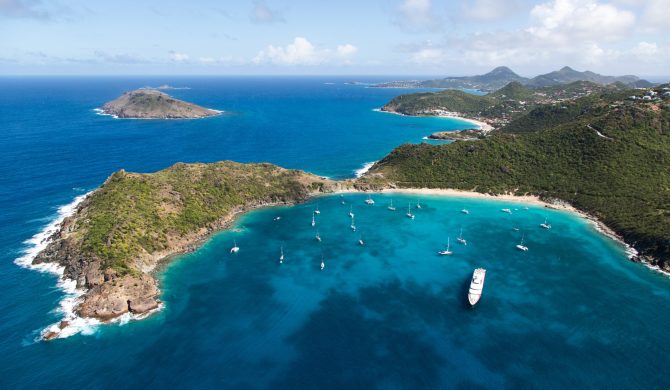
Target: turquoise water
(570, 312)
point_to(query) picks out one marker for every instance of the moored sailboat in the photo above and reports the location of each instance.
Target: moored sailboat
(447, 251)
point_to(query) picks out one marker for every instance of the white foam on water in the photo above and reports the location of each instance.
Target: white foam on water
(366, 167)
(36, 244)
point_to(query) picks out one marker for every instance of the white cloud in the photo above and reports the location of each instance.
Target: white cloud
(489, 10)
(177, 56)
(417, 15)
(302, 52)
(428, 56)
(346, 50)
(566, 21)
(261, 13)
(645, 50)
(656, 15)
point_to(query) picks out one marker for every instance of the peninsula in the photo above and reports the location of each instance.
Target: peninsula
(606, 153)
(121, 231)
(153, 104)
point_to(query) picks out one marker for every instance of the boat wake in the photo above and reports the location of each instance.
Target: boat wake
(366, 167)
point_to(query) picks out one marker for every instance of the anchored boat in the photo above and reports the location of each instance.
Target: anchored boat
(476, 286)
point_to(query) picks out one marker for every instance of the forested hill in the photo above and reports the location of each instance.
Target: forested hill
(607, 156)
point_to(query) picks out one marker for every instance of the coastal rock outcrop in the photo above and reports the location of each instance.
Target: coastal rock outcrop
(121, 231)
(153, 104)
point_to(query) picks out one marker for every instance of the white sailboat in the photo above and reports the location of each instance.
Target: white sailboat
(360, 241)
(281, 256)
(461, 239)
(476, 286)
(235, 248)
(317, 212)
(545, 225)
(391, 206)
(353, 224)
(318, 236)
(508, 211)
(465, 211)
(522, 247)
(418, 205)
(323, 263)
(351, 211)
(313, 220)
(277, 218)
(409, 212)
(369, 200)
(447, 251)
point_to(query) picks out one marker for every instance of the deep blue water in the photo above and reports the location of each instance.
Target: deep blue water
(571, 312)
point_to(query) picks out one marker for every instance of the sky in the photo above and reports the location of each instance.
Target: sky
(318, 37)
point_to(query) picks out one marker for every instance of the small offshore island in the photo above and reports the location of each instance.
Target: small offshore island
(153, 104)
(605, 153)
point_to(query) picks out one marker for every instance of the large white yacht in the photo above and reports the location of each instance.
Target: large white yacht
(476, 286)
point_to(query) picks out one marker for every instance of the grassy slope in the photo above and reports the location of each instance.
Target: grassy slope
(132, 214)
(624, 181)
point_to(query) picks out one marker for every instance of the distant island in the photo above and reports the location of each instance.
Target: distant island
(152, 104)
(120, 232)
(502, 75)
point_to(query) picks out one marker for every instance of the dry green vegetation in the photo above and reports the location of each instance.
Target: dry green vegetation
(621, 176)
(134, 214)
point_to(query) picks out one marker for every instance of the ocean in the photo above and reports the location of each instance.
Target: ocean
(570, 312)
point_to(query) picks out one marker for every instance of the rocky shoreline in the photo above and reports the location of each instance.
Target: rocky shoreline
(105, 294)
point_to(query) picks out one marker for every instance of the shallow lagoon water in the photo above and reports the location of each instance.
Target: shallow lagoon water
(571, 312)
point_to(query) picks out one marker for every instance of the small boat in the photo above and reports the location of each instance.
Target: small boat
(522, 247)
(476, 286)
(323, 264)
(409, 213)
(351, 212)
(508, 211)
(447, 251)
(317, 237)
(313, 220)
(317, 212)
(235, 248)
(281, 256)
(516, 229)
(369, 200)
(460, 238)
(343, 202)
(525, 208)
(360, 241)
(545, 225)
(277, 218)
(418, 205)
(353, 224)
(391, 206)
(465, 211)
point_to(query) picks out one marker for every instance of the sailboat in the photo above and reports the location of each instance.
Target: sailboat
(323, 264)
(409, 212)
(353, 224)
(461, 239)
(313, 220)
(508, 211)
(545, 225)
(446, 252)
(360, 241)
(235, 248)
(318, 236)
(418, 205)
(369, 200)
(351, 211)
(465, 211)
(391, 206)
(476, 286)
(522, 247)
(317, 212)
(281, 256)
